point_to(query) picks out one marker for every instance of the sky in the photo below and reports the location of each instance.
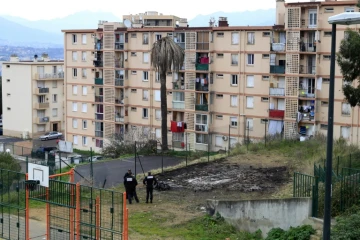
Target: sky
(45, 9)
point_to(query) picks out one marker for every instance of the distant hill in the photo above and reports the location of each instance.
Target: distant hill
(252, 18)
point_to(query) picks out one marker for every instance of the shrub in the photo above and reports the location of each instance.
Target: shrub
(347, 226)
(298, 233)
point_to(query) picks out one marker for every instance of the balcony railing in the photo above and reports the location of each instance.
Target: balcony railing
(277, 91)
(276, 113)
(44, 76)
(99, 98)
(202, 67)
(202, 107)
(305, 94)
(41, 105)
(99, 134)
(119, 64)
(119, 82)
(307, 47)
(42, 120)
(99, 116)
(119, 46)
(178, 105)
(42, 90)
(203, 88)
(119, 100)
(277, 47)
(307, 69)
(119, 119)
(98, 46)
(99, 81)
(277, 69)
(98, 63)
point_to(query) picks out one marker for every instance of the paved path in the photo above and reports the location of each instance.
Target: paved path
(113, 171)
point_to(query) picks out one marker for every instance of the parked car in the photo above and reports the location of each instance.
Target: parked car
(51, 135)
(95, 158)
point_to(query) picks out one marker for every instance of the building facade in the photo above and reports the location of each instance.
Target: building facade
(236, 83)
(32, 93)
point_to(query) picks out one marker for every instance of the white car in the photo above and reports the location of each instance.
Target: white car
(95, 158)
(51, 135)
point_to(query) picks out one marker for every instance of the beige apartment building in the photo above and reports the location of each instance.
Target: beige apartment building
(32, 93)
(237, 82)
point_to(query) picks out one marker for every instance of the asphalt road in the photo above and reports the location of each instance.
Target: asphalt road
(112, 172)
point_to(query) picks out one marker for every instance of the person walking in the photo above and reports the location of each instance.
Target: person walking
(130, 183)
(127, 174)
(150, 181)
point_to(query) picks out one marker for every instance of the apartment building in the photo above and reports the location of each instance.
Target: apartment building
(237, 82)
(32, 93)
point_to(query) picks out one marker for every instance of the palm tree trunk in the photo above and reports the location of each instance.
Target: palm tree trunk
(164, 128)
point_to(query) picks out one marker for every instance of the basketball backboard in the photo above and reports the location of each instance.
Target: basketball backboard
(40, 173)
(65, 146)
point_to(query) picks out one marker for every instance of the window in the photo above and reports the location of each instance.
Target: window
(349, 9)
(99, 143)
(219, 75)
(83, 39)
(74, 89)
(157, 96)
(345, 109)
(54, 98)
(54, 112)
(75, 139)
(235, 38)
(75, 123)
(327, 34)
(158, 37)
(133, 90)
(74, 72)
(74, 38)
(84, 141)
(157, 77)
(266, 34)
(265, 78)
(146, 57)
(250, 38)
(234, 59)
(323, 126)
(326, 57)
(74, 56)
(250, 102)
(133, 109)
(158, 133)
(326, 80)
(201, 123)
(220, 55)
(145, 95)
(345, 132)
(219, 117)
(219, 96)
(233, 101)
(264, 99)
(84, 124)
(179, 97)
(329, 10)
(54, 84)
(325, 104)
(145, 113)
(201, 138)
(234, 80)
(220, 34)
(157, 114)
(145, 76)
(41, 128)
(249, 124)
(133, 54)
(233, 141)
(84, 90)
(145, 38)
(250, 59)
(83, 73)
(233, 121)
(83, 56)
(84, 107)
(133, 35)
(133, 72)
(265, 56)
(250, 81)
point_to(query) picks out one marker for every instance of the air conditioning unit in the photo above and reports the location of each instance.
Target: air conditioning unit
(225, 138)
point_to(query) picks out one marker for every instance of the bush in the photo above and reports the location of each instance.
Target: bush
(9, 168)
(347, 226)
(298, 233)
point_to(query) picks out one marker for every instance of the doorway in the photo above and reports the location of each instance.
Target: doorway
(55, 127)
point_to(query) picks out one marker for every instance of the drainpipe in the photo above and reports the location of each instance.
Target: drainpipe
(244, 80)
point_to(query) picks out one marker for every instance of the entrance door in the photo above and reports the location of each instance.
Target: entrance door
(55, 127)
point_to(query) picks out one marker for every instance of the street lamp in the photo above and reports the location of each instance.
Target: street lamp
(347, 18)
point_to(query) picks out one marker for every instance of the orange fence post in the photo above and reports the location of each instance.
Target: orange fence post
(78, 206)
(72, 210)
(97, 210)
(127, 224)
(27, 211)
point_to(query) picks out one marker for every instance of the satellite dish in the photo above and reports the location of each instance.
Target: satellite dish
(127, 23)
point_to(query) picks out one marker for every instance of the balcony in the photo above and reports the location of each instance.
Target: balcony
(41, 105)
(42, 91)
(277, 45)
(178, 105)
(99, 116)
(202, 67)
(98, 46)
(201, 87)
(277, 91)
(307, 70)
(307, 47)
(177, 127)
(49, 76)
(98, 63)
(41, 120)
(99, 134)
(99, 81)
(119, 119)
(309, 22)
(119, 82)
(119, 46)
(181, 44)
(99, 98)
(277, 69)
(276, 113)
(305, 94)
(119, 64)
(202, 107)
(119, 100)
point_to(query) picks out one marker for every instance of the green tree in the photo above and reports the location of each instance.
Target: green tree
(166, 56)
(9, 168)
(0, 95)
(348, 59)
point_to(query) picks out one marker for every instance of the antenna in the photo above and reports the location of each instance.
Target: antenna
(127, 23)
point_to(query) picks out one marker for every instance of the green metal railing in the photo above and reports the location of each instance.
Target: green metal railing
(350, 188)
(99, 81)
(202, 67)
(202, 107)
(277, 69)
(303, 185)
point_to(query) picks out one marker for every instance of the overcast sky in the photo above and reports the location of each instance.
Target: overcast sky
(45, 9)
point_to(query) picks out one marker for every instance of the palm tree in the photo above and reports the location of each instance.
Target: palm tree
(166, 56)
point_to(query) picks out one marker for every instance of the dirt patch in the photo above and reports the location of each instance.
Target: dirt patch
(226, 176)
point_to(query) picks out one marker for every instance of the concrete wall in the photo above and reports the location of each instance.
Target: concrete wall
(251, 215)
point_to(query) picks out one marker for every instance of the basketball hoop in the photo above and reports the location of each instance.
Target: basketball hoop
(31, 184)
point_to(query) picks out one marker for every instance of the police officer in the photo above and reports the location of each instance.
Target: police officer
(127, 174)
(130, 183)
(150, 181)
